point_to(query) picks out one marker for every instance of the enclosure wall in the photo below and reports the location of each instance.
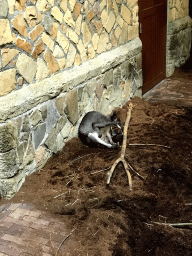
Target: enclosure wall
(178, 34)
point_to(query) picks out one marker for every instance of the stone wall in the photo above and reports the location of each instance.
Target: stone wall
(178, 34)
(41, 37)
(37, 120)
(62, 58)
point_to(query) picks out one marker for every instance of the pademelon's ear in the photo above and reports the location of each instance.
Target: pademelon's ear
(113, 116)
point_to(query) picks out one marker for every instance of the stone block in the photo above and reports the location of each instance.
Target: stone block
(72, 35)
(103, 40)
(96, 10)
(127, 90)
(51, 62)
(176, 26)
(66, 130)
(25, 125)
(61, 62)
(47, 22)
(132, 3)
(39, 134)
(120, 21)
(42, 5)
(111, 98)
(77, 10)
(77, 60)
(63, 5)
(58, 52)
(57, 14)
(19, 24)
(41, 157)
(97, 25)
(20, 151)
(78, 25)
(52, 116)
(104, 17)
(86, 34)
(124, 34)
(103, 4)
(90, 15)
(35, 117)
(8, 136)
(80, 92)
(110, 22)
(72, 4)
(20, 81)
(7, 81)
(54, 30)
(113, 39)
(36, 32)
(61, 122)
(8, 164)
(23, 44)
(63, 41)
(59, 102)
(133, 32)
(5, 32)
(70, 56)
(95, 40)
(29, 155)
(48, 41)
(99, 90)
(115, 7)
(31, 16)
(82, 50)
(60, 142)
(7, 55)
(38, 48)
(26, 67)
(69, 19)
(42, 70)
(116, 76)
(85, 7)
(71, 108)
(117, 32)
(43, 110)
(126, 14)
(4, 8)
(51, 141)
(135, 18)
(108, 78)
(91, 52)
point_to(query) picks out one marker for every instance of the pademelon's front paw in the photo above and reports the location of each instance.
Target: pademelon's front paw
(115, 145)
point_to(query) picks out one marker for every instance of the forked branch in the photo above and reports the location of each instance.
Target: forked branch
(122, 157)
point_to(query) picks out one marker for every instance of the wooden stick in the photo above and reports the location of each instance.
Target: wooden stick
(64, 240)
(121, 158)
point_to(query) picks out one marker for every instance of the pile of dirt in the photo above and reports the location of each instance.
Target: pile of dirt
(114, 220)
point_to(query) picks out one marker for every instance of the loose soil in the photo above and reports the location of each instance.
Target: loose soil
(115, 220)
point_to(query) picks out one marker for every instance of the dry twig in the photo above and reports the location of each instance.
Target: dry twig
(177, 225)
(121, 158)
(157, 145)
(64, 241)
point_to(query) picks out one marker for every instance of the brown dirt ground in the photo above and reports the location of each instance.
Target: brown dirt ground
(114, 220)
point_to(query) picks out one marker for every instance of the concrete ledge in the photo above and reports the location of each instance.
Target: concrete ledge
(20, 101)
